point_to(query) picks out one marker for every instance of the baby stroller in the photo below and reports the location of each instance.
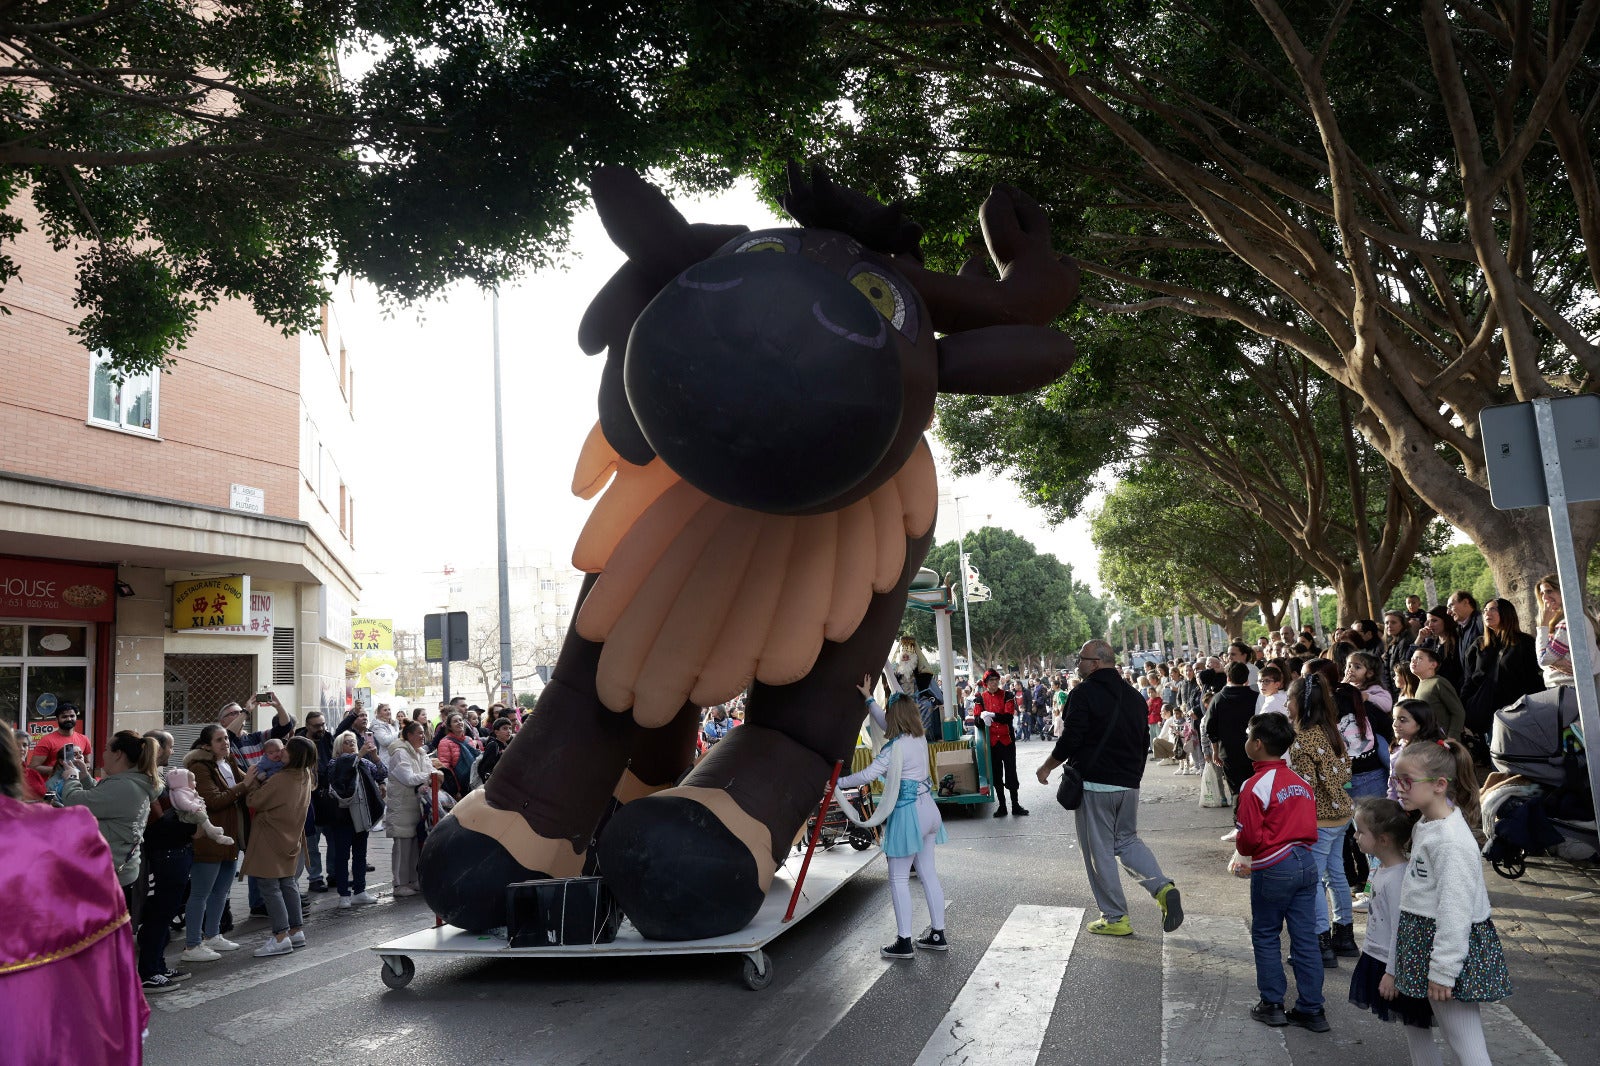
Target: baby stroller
(837, 829)
(1538, 803)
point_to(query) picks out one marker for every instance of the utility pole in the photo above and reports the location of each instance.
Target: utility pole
(500, 511)
(966, 612)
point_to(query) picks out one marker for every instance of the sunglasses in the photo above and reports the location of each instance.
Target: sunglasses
(1404, 783)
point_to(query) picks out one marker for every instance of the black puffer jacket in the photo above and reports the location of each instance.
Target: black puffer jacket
(343, 775)
(1105, 702)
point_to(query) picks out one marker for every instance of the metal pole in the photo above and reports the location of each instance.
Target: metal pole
(500, 514)
(966, 612)
(1578, 634)
(947, 669)
(444, 659)
(811, 846)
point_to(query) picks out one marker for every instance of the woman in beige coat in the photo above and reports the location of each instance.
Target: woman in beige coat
(277, 833)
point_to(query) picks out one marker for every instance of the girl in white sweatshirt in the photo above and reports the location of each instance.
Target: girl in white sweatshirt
(1445, 945)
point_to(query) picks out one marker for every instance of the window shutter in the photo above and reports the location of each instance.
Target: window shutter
(283, 656)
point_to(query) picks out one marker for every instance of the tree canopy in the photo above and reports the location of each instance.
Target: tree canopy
(189, 152)
(1038, 609)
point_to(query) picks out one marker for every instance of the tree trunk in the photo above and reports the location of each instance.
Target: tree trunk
(1351, 591)
(1528, 554)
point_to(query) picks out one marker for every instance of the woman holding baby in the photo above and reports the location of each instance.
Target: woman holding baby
(277, 833)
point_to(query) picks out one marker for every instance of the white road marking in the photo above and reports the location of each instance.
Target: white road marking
(1000, 1016)
(1510, 1039)
(318, 953)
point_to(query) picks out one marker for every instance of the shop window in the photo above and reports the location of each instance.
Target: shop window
(41, 667)
(122, 401)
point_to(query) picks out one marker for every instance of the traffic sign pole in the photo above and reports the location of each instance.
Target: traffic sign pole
(1579, 633)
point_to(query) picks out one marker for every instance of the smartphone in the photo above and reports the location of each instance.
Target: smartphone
(263, 697)
(69, 752)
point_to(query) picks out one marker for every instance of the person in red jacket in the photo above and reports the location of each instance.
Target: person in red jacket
(1277, 823)
(997, 709)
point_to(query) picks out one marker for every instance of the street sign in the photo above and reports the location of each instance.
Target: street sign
(1566, 444)
(437, 629)
(1510, 435)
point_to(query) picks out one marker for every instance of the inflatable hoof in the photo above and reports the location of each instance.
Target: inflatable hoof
(464, 875)
(677, 871)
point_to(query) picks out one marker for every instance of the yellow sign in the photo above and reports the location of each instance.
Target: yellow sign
(210, 602)
(372, 658)
(372, 634)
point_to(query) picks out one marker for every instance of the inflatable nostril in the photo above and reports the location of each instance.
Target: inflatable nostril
(765, 380)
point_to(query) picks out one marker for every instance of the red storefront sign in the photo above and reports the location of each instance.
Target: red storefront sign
(37, 588)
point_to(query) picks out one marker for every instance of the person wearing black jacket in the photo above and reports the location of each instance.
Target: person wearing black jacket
(1231, 711)
(1501, 667)
(168, 857)
(1103, 737)
(316, 731)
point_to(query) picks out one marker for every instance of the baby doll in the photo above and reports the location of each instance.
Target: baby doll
(190, 807)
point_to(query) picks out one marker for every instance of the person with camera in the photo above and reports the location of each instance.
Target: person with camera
(222, 783)
(358, 805)
(47, 750)
(246, 745)
(120, 803)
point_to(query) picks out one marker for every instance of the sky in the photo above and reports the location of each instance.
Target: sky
(426, 401)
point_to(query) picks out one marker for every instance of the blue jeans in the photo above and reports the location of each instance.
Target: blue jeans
(314, 850)
(1287, 893)
(169, 872)
(209, 883)
(1329, 857)
(347, 854)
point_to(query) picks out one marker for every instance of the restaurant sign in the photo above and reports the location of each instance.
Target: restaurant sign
(35, 588)
(210, 602)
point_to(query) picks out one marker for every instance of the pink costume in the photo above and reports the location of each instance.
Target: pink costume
(67, 973)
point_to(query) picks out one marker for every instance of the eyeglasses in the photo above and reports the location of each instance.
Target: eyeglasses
(1404, 783)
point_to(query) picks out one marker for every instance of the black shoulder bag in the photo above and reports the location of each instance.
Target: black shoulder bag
(1070, 792)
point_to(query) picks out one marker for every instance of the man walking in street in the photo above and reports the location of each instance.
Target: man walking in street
(1104, 737)
(997, 709)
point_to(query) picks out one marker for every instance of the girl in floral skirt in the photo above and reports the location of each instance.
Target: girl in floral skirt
(1446, 948)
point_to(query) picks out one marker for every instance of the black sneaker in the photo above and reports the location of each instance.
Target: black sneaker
(157, 983)
(933, 940)
(319, 884)
(1269, 1014)
(900, 949)
(259, 912)
(1002, 812)
(1018, 809)
(371, 868)
(177, 975)
(1316, 1021)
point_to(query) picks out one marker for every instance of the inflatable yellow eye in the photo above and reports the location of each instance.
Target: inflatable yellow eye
(882, 294)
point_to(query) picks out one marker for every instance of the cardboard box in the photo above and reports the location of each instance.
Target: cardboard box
(958, 764)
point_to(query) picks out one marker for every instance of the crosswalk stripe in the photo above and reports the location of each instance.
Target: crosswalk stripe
(1510, 1039)
(999, 1017)
(1208, 983)
(261, 971)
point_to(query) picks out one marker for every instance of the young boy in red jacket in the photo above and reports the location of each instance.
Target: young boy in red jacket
(1277, 822)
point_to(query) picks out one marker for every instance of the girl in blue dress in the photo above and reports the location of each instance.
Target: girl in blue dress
(910, 817)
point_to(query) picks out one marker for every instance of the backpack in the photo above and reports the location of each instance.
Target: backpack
(466, 765)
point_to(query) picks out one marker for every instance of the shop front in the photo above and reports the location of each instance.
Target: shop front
(55, 643)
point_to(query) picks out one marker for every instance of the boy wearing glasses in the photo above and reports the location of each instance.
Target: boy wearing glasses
(1277, 826)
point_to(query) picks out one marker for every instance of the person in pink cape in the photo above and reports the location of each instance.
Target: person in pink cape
(67, 973)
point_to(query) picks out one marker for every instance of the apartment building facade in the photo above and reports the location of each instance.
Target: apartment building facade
(173, 541)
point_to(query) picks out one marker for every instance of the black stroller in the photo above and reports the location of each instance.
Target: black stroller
(837, 829)
(1539, 802)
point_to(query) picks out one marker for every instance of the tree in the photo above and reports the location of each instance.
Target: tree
(1162, 547)
(483, 652)
(1036, 608)
(190, 152)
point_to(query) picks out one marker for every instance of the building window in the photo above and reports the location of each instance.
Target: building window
(122, 401)
(547, 584)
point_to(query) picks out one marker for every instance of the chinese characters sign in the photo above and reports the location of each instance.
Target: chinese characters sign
(260, 623)
(372, 658)
(210, 603)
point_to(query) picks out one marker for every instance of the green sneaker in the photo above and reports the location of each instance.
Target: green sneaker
(1171, 903)
(1106, 927)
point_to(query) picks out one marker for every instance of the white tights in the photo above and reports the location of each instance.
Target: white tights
(900, 887)
(1462, 1026)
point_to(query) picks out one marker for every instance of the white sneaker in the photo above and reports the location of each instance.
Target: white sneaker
(1230, 835)
(363, 898)
(1361, 903)
(220, 943)
(344, 903)
(199, 953)
(298, 939)
(274, 946)
(404, 890)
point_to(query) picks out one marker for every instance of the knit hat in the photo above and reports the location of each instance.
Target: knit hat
(991, 675)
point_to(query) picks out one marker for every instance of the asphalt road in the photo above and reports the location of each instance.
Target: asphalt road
(1015, 988)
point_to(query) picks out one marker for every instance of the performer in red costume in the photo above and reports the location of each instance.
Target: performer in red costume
(998, 709)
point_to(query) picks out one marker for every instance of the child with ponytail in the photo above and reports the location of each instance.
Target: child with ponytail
(1446, 948)
(1383, 829)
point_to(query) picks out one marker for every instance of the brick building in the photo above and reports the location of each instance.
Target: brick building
(220, 480)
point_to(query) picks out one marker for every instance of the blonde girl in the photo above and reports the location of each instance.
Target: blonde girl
(1446, 948)
(913, 825)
